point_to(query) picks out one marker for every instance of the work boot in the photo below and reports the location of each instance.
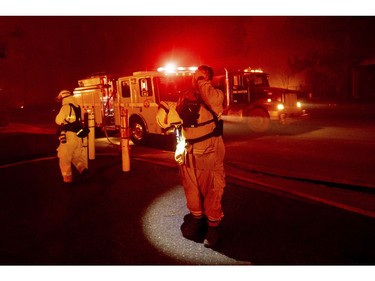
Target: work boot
(85, 174)
(65, 184)
(194, 228)
(212, 237)
(67, 181)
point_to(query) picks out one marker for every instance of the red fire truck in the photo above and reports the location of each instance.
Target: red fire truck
(249, 98)
(140, 93)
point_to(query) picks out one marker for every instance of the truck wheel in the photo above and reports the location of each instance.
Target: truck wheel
(258, 120)
(137, 130)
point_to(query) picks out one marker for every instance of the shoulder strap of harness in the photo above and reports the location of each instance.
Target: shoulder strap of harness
(77, 112)
(218, 130)
(215, 118)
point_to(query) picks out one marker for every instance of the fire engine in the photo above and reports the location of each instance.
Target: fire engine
(140, 94)
(250, 99)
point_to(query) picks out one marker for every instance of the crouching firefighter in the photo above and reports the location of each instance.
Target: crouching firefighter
(201, 159)
(71, 133)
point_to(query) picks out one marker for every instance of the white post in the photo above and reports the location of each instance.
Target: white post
(85, 147)
(91, 124)
(125, 140)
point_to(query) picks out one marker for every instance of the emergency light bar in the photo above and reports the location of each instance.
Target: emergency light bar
(172, 69)
(253, 70)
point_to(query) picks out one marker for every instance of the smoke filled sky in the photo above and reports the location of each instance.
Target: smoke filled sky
(39, 55)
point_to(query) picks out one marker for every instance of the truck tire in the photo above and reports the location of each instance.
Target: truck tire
(138, 131)
(257, 120)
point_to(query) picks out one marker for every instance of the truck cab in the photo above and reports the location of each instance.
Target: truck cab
(251, 99)
(140, 94)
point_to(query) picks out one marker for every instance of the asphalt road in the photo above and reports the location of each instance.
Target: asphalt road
(133, 218)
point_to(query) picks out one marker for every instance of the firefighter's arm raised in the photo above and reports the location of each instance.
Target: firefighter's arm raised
(210, 95)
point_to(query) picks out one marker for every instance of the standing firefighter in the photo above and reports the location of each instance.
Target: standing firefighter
(71, 132)
(201, 158)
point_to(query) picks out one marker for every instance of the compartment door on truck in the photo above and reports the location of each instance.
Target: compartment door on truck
(148, 107)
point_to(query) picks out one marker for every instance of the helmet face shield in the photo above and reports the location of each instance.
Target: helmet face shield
(63, 94)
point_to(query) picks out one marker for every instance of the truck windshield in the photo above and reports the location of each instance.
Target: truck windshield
(255, 79)
(170, 88)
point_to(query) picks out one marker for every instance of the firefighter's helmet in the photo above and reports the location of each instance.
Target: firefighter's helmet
(63, 94)
(167, 115)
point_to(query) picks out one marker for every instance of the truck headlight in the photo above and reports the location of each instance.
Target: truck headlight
(280, 106)
(299, 104)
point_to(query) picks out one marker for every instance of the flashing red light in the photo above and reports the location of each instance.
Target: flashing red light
(249, 69)
(173, 69)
